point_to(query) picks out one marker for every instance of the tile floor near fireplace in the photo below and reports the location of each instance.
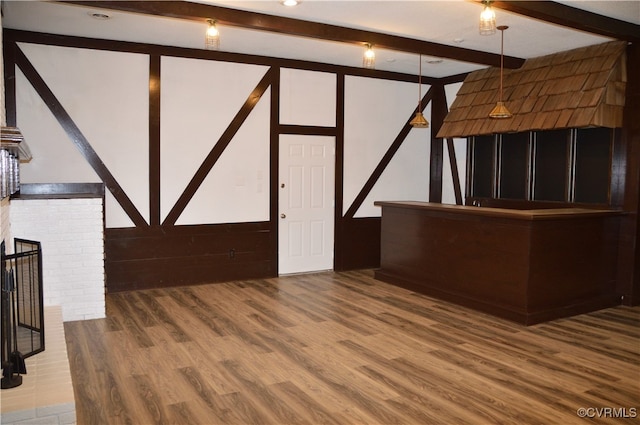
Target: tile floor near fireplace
(46, 394)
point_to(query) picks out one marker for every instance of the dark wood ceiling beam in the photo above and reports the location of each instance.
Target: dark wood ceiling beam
(296, 27)
(572, 17)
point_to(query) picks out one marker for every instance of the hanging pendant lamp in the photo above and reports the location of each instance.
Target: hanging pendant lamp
(369, 57)
(419, 121)
(487, 19)
(212, 35)
(500, 110)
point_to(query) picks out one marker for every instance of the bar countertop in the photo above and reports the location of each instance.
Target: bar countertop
(533, 214)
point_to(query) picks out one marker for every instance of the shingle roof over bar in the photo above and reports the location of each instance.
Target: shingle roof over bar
(578, 88)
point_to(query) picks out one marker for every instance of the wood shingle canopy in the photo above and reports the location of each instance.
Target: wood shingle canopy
(583, 87)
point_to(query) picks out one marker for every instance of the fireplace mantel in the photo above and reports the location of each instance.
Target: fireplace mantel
(13, 150)
(12, 139)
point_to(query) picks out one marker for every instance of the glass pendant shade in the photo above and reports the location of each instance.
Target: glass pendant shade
(369, 58)
(212, 36)
(487, 21)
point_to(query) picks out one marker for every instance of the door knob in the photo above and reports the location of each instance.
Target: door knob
(283, 215)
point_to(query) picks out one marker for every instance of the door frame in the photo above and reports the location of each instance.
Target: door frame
(276, 204)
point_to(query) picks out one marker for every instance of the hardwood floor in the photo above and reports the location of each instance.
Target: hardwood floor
(344, 348)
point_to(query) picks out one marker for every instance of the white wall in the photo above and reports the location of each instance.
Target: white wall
(375, 112)
(460, 146)
(199, 98)
(307, 98)
(107, 95)
(71, 234)
(198, 101)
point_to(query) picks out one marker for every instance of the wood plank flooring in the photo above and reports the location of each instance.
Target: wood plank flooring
(344, 348)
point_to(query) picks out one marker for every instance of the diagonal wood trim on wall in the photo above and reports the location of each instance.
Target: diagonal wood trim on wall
(219, 148)
(386, 159)
(76, 136)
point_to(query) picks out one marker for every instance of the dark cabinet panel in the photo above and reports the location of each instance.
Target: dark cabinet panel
(528, 266)
(483, 166)
(592, 168)
(551, 165)
(514, 165)
(570, 166)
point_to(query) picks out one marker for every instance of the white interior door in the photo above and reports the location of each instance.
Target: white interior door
(306, 203)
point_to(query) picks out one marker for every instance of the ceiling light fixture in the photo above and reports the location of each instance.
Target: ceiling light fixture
(487, 19)
(290, 3)
(212, 36)
(419, 121)
(369, 58)
(501, 111)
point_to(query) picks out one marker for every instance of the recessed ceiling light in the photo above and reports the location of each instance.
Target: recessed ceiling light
(290, 3)
(458, 40)
(99, 15)
(434, 61)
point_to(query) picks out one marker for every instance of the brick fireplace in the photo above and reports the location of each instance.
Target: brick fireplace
(68, 220)
(71, 229)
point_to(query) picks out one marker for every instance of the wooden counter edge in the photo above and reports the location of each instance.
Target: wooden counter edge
(534, 214)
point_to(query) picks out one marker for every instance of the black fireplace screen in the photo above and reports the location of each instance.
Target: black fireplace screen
(22, 283)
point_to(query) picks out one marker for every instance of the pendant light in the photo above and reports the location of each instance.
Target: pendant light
(501, 111)
(419, 120)
(212, 36)
(369, 57)
(487, 19)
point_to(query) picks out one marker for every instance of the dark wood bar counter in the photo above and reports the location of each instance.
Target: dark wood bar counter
(528, 266)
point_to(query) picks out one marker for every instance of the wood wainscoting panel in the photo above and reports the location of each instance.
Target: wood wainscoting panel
(154, 257)
(358, 243)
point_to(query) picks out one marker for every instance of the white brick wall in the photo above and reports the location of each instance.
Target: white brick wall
(72, 235)
(5, 207)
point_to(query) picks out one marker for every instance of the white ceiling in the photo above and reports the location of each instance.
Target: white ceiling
(449, 22)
